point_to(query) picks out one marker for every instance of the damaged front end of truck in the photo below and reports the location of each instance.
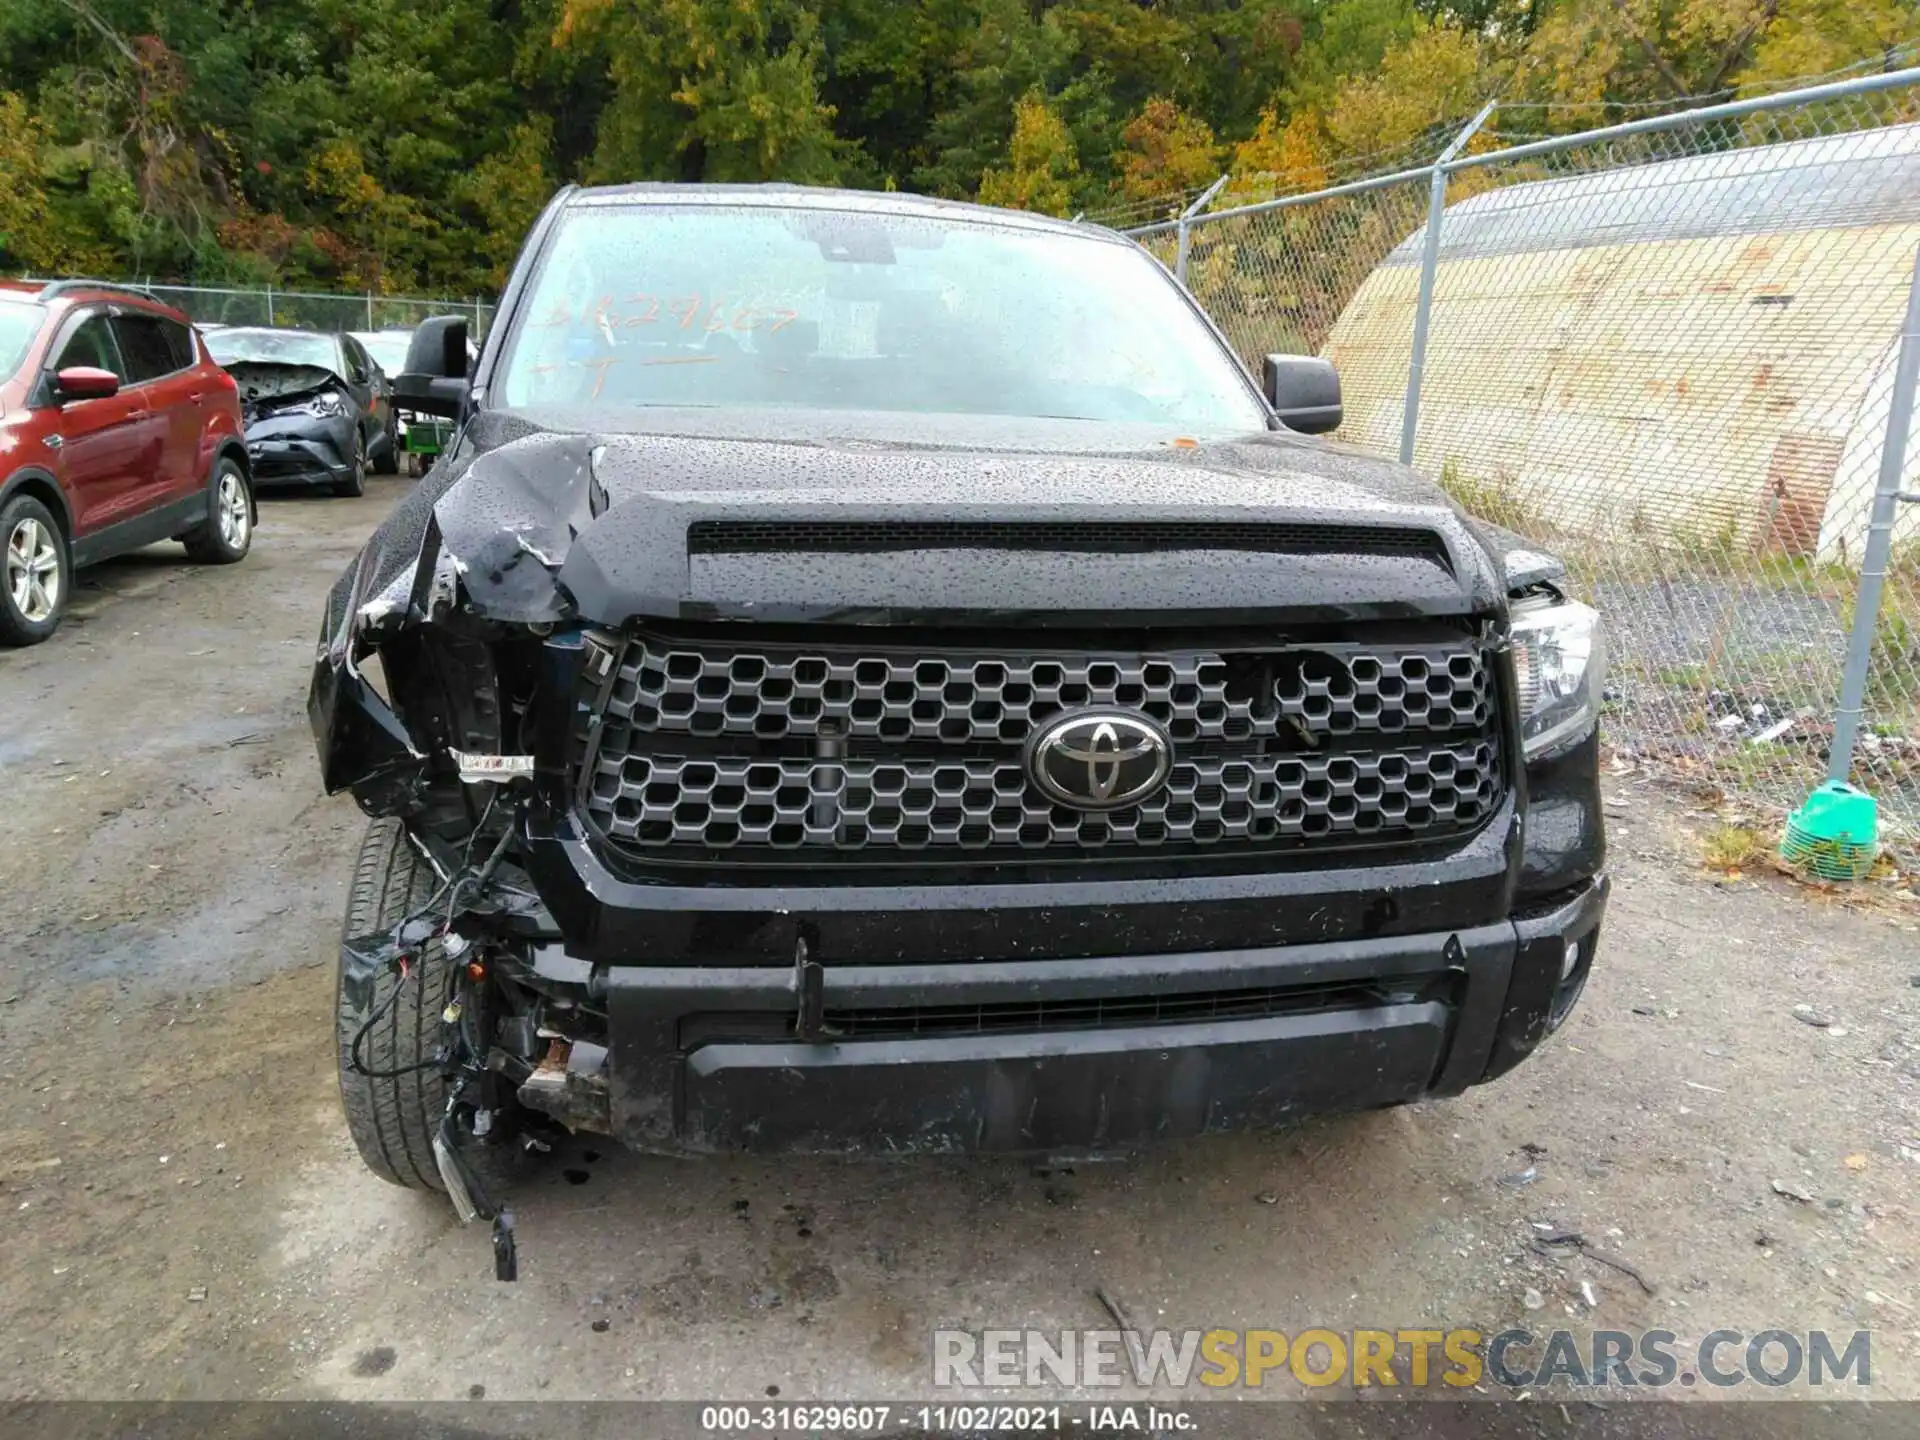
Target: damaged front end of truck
(789, 778)
(447, 648)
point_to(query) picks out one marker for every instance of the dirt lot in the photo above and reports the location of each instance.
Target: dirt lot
(189, 1219)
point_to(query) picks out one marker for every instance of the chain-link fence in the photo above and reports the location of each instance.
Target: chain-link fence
(1665, 350)
(310, 310)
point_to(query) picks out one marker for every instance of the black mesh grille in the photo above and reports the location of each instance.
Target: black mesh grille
(775, 691)
(918, 804)
(736, 750)
(733, 537)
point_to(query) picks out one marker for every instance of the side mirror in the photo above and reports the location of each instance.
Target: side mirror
(84, 382)
(1304, 392)
(434, 381)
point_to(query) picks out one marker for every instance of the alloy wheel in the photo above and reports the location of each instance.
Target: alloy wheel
(33, 570)
(231, 512)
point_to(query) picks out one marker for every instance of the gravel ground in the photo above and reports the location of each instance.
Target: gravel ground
(189, 1219)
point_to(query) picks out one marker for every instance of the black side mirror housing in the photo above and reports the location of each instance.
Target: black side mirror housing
(434, 381)
(1304, 391)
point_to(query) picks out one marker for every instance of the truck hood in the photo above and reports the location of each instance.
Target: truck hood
(863, 518)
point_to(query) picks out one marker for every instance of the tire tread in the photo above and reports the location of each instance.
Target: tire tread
(393, 1121)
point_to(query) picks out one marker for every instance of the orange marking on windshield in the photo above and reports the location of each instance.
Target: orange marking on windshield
(692, 311)
(600, 366)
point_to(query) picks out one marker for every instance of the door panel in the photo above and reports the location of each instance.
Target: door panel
(105, 445)
(368, 394)
(154, 360)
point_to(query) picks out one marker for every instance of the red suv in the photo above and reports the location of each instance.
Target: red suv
(116, 430)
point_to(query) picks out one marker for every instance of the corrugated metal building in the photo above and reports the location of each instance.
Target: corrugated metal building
(1698, 351)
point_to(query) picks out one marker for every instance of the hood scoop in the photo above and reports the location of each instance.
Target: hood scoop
(1092, 537)
(702, 530)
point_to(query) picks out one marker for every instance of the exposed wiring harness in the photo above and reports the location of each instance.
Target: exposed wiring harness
(458, 1058)
(408, 942)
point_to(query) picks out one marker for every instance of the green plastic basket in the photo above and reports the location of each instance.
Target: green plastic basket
(427, 437)
(1833, 835)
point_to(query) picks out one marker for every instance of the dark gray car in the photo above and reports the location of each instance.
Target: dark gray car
(318, 411)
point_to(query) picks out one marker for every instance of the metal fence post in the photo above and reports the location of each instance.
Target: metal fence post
(1186, 215)
(1887, 498)
(269, 304)
(1429, 263)
(369, 310)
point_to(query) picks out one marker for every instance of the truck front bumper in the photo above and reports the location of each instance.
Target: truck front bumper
(1066, 1055)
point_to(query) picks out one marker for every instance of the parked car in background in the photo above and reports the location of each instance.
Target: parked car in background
(318, 410)
(419, 437)
(117, 430)
(387, 347)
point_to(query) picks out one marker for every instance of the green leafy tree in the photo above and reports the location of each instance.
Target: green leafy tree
(708, 90)
(1010, 53)
(1810, 37)
(393, 144)
(1436, 75)
(1043, 163)
(507, 190)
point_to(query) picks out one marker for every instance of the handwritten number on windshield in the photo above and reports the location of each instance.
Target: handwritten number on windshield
(644, 309)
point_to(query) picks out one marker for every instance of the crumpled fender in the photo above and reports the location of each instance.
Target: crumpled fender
(510, 524)
(470, 546)
(1523, 561)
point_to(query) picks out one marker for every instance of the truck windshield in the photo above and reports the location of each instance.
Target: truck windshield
(839, 310)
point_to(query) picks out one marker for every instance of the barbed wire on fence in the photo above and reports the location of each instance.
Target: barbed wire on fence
(1666, 351)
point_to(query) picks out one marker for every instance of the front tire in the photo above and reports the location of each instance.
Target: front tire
(34, 575)
(356, 482)
(227, 534)
(393, 1118)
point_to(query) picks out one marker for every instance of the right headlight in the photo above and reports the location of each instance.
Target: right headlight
(1559, 662)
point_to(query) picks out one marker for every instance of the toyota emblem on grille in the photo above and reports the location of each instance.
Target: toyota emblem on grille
(1099, 759)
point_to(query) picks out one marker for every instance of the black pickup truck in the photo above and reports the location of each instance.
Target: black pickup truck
(875, 674)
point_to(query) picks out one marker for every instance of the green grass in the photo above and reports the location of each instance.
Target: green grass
(1491, 500)
(1732, 847)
